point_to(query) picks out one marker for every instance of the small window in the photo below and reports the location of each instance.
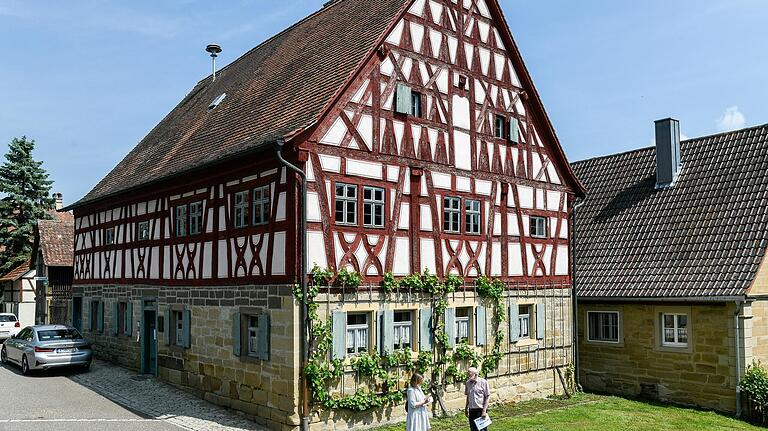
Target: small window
(416, 104)
(403, 329)
(143, 230)
(195, 218)
(472, 216)
(451, 214)
(253, 336)
(538, 227)
(260, 206)
(674, 330)
(241, 208)
(109, 236)
(181, 220)
(373, 206)
(524, 317)
(94, 315)
(346, 204)
(357, 333)
(498, 130)
(215, 102)
(177, 320)
(603, 326)
(462, 324)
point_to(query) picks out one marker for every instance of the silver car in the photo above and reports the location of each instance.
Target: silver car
(47, 346)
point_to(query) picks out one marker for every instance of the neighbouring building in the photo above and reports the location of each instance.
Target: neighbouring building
(18, 293)
(425, 146)
(52, 259)
(671, 275)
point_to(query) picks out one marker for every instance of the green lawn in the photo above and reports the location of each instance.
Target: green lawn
(593, 412)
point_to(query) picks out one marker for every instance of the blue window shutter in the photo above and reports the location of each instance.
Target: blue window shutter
(480, 331)
(129, 318)
(339, 330)
(187, 335)
(167, 327)
(236, 335)
(403, 99)
(263, 347)
(540, 321)
(514, 322)
(514, 129)
(388, 331)
(450, 326)
(425, 329)
(100, 317)
(115, 320)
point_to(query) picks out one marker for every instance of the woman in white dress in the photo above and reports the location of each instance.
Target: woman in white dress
(418, 416)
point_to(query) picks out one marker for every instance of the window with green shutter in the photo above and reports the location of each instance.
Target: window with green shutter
(403, 99)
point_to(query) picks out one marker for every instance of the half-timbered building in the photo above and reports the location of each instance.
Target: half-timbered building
(425, 146)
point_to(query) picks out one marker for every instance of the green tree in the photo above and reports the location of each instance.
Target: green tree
(25, 191)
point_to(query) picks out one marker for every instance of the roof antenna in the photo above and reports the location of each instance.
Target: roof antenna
(214, 50)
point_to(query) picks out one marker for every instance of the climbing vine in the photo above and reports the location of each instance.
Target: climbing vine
(381, 373)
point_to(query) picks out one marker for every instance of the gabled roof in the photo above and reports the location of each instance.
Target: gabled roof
(705, 237)
(17, 272)
(57, 239)
(278, 87)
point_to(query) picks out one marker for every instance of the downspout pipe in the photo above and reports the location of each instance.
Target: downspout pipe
(303, 312)
(574, 299)
(736, 315)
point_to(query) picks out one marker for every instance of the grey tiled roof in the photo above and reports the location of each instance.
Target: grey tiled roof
(704, 237)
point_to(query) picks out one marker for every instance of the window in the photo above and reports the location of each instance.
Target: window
(109, 236)
(260, 205)
(346, 204)
(451, 214)
(215, 102)
(498, 130)
(121, 320)
(143, 230)
(241, 207)
(603, 326)
(253, 336)
(195, 218)
(357, 333)
(524, 317)
(538, 227)
(181, 220)
(177, 319)
(462, 324)
(373, 206)
(472, 216)
(403, 328)
(674, 330)
(94, 315)
(58, 334)
(415, 104)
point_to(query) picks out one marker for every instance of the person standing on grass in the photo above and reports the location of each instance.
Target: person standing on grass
(418, 416)
(478, 396)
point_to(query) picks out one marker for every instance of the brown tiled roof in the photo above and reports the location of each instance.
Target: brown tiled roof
(57, 238)
(704, 237)
(276, 88)
(17, 272)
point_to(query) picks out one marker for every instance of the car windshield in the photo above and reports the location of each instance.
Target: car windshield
(7, 318)
(58, 334)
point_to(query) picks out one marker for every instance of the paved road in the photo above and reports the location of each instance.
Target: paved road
(52, 401)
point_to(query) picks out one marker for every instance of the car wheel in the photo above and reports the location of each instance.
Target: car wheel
(3, 356)
(87, 366)
(24, 365)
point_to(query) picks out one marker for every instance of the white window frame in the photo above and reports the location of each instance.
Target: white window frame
(452, 214)
(524, 322)
(253, 335)
(142, 230)
(472, 216)
(180, 220)
(195, 218)
(349, 204)
(403, 329)
(178, 327)
(357, 334)
(462, 324)
(260, 206)
(373, 206)
(109, 236)
(538, 223)
(601, 325)
(240, 213)
(675, 328)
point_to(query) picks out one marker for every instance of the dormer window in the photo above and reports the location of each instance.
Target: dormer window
(216, 101)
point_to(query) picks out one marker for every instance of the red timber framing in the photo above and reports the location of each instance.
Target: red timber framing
(461, 61)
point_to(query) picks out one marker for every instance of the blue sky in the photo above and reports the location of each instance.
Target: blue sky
(88, 79)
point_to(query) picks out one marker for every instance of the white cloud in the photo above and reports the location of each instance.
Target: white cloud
(731, 119)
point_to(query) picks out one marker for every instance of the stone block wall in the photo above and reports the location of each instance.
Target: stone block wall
(266, 390)
(703, 374)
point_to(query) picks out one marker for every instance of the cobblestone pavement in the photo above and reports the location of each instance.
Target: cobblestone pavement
(160, 400)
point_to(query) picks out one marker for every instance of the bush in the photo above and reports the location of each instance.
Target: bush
(755, 383)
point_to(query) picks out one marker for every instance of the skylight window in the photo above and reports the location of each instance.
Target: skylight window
(216, 101)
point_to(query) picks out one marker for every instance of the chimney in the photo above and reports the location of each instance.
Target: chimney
(59, 201)
(667, 152)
